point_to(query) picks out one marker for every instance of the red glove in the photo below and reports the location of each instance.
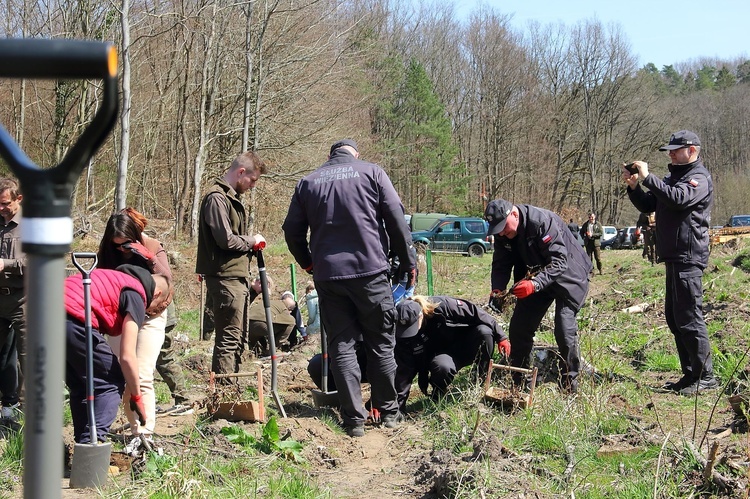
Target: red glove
(504, 347)
(136, 405)
(260, 242)
(522, 289)
(309, 269)
(140, 250)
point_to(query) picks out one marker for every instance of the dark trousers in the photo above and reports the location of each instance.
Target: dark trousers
(230, 300)
(526, 318)
(593, 250)
(12, 322)
(109, 382)
(360, 309)
(8, 367)
(473, 344)
(683, 308)
(649, 245)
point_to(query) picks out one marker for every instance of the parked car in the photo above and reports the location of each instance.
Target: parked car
(425, 221)
(628, 238)
(739, 221)
(466, 235)
(609, 233)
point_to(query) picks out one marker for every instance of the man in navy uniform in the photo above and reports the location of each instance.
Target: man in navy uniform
(355, 217)
(549, 266)
(682, 202)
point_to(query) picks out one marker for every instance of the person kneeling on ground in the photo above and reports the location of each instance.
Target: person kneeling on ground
(120, 301)
(446, 334)
(257, 329)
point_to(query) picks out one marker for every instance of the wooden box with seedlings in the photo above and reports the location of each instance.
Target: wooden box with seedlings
(225, 399)
(507, 394)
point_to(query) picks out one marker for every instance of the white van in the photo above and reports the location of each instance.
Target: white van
(609, 233)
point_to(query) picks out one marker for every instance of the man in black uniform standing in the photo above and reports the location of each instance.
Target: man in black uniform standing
(682, 202)
(355, 217)
(531, 240)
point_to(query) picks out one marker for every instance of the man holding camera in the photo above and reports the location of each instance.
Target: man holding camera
(682, 202)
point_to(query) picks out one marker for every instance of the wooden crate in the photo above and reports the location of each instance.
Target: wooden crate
(506, 397)
(242, 410)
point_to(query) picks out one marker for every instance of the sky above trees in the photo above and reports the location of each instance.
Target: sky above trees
(662, 33)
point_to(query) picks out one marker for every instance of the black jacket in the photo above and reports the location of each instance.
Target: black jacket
(543, 242)
(453, 313)
(682, 202)
(354, 216)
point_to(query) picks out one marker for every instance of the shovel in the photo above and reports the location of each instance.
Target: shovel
(90, 461)
(322, 397)
(46, 236)
(269, 324)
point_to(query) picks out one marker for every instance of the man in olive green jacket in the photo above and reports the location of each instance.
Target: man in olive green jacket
(592, 236)
(224, 252)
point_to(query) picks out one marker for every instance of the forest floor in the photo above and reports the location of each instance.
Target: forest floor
(407, 462)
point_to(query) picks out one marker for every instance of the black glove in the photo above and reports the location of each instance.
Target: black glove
(136, 405)
(140, 251)
(424, 381)
(495, 302)
(411, 278)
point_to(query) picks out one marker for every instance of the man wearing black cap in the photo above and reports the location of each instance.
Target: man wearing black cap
(548, 266)
(354, 217)
(682, 202)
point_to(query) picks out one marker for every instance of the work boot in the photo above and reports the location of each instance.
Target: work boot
(355, 431)
(676, 386)
(392, 420)
(708, 382)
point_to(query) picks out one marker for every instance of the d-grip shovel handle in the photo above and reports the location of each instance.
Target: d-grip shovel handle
(85, 271)
(47, 191)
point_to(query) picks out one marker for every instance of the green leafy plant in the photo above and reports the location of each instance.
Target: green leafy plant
(269, 443)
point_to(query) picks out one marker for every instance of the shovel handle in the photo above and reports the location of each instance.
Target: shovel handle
(85, 271)
(47, 191)
(57, 59)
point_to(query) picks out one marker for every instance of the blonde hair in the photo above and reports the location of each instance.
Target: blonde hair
(428, 307)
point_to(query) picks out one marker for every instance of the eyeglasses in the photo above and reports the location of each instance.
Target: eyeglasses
(120, 245)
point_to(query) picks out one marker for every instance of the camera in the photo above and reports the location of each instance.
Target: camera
(631, 168)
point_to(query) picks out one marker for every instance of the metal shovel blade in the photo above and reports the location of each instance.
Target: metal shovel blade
(90, 466)
(325, 399)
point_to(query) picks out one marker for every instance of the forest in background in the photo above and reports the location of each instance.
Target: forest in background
(458, 112)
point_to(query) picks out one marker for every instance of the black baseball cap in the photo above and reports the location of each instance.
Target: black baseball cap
(496, 214)
(342, 143)
(144, 276)
(407, 319)
(681, 139)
